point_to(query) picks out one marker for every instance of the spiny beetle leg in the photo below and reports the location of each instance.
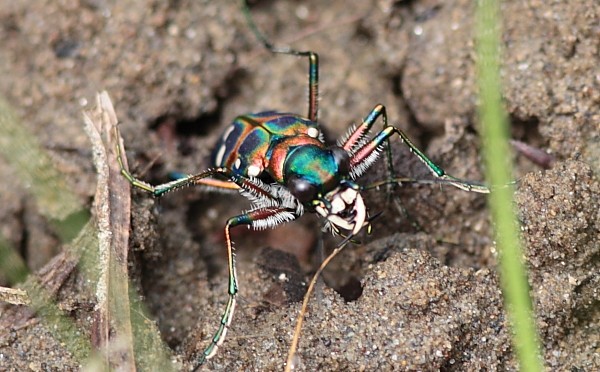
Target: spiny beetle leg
(251, 218)
(362, 158)
(356, 138)
(203, 178)
(313, 64)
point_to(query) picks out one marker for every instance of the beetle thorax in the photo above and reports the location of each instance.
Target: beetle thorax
(311, 171)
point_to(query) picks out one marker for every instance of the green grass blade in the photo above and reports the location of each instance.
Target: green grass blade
(498, 172)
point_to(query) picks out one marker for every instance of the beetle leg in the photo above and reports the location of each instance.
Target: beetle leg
(364, 157)
(273, 205)
(313, 64)
(258, 218)
(357, 136)
(204, 178)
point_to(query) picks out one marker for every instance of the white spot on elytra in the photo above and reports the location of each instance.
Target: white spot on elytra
(238, 163)
(313, 132)
(254, 171)
(227, 133)
(220, 154)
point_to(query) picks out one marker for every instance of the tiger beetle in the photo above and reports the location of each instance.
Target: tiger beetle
(282, 165)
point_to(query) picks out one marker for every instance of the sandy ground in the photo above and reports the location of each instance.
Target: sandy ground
(420, 293)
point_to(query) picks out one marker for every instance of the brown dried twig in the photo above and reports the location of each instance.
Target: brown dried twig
(112, 206)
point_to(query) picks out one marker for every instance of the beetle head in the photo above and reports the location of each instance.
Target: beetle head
(344, 208)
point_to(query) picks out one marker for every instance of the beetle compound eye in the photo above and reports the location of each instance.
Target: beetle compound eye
(302, 189)
(342, 159)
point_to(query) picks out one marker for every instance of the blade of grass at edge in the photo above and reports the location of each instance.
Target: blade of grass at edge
(494, 127)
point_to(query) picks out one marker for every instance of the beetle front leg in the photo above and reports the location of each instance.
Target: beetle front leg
(364, 157)
(356, 137)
